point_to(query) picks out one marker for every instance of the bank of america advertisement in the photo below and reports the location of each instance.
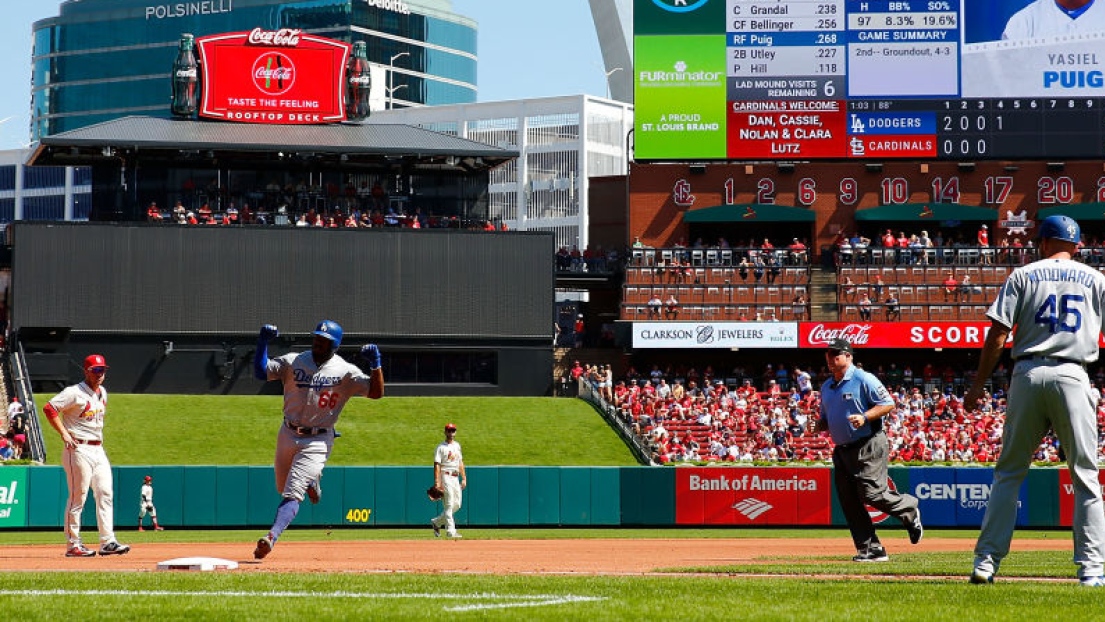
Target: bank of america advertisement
(692, 335)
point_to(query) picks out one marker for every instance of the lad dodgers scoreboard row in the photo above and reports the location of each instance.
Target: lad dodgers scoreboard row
(883, 79)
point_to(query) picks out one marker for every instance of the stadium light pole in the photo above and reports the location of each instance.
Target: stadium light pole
(391, 78)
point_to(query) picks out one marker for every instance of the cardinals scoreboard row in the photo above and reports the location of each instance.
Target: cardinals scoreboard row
(867, 79)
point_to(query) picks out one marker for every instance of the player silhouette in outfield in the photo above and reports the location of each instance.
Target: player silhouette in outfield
(317, 384)
(1051, 18)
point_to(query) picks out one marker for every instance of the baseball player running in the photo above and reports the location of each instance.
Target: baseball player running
(450, 478)
(317, 385)
(146, 506)
(77, 413)
(1056, 306)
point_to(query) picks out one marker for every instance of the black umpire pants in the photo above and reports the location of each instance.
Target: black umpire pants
(860, 477)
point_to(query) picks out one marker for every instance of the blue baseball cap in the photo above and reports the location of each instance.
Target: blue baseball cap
(1059, 227)
(331, 330)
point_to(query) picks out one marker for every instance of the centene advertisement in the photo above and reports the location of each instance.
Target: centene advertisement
(282, 77)
(958, 497)
(895, 334)
(753, 496)
(715, 335)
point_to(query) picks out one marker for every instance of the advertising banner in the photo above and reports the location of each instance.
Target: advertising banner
(753, 496)
(1066, 497)
(13, 497)
(958, 497)
(895, 334)
(283, 77)
(699, 335)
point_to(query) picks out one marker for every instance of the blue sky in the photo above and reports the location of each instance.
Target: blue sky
(526, 49)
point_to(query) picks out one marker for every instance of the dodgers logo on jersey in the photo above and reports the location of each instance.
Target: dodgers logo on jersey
(679, 6)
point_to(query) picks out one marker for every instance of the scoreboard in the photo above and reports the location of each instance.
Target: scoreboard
(868, 79)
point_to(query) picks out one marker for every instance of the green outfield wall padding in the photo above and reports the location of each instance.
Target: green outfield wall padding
(605, 492)
(1043, 495)
(481, 497)
(575, 496)
(639, 502)
(359, 494)
(233, 492)
(513, 495)
(46, 495)
(391, 496)
(544, 499)
(261, 496)
(198, 511)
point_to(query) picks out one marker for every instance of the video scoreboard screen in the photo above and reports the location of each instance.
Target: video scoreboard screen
(869, 79)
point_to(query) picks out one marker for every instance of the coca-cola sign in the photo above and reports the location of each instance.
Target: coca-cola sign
(273, 76)
(285, 37)
(894, 334)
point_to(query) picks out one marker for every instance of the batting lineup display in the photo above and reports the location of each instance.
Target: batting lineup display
(869, 79)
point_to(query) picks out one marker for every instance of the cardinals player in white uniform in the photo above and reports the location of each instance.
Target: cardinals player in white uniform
(1051, 18)
(450, 477)
(146, 506)
(1057, 306)
(77, 413)
(317, 385)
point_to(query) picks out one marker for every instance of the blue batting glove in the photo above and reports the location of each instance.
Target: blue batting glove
(371, 354)
(268, 333)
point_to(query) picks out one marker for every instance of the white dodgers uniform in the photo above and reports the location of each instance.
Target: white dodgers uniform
(1043, 18)
(1055, 308)
(449, 456)
(313, 399)
(81, 411)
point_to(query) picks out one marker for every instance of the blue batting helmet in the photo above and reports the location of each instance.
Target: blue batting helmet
(1059, 227)
(329, 329)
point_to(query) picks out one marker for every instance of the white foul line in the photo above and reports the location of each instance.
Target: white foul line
(532, 600)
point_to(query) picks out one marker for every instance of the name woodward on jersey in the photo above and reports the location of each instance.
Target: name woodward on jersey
(751, 482)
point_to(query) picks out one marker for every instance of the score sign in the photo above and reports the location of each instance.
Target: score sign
(280, 77)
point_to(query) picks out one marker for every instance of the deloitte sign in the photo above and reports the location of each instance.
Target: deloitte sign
(397, 6)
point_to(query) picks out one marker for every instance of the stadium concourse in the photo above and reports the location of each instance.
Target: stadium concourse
(686, 416)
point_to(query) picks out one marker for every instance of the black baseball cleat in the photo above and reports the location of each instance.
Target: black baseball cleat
(915, 528)
(872, 554)
(114, 548)
(264, 547)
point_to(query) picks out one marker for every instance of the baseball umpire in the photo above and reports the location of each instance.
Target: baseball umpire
(1056, 306)
(853, 403)
(317, 385)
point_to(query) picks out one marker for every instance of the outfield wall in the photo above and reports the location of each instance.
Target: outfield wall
(237, 496)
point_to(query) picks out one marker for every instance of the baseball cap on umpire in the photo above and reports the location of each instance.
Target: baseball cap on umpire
(94, 360)
(840, 345)
(1059, 227)
(329, 329)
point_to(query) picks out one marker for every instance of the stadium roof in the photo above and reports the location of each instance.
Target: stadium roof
(176, 139)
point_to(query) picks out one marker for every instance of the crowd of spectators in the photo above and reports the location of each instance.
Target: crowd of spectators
(690, 415)
(919, 248)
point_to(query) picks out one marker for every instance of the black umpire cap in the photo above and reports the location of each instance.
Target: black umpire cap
(840, 345)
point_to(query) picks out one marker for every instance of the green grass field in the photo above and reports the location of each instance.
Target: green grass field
(241, 430)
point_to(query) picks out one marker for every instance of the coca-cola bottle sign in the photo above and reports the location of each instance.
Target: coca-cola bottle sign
(274, 73)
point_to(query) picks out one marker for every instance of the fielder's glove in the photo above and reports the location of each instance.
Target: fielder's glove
(435, 493)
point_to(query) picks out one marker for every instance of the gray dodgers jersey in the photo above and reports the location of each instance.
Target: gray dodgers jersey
(1055, 306)
(314, 396)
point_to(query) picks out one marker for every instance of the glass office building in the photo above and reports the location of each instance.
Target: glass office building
(104, 59)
